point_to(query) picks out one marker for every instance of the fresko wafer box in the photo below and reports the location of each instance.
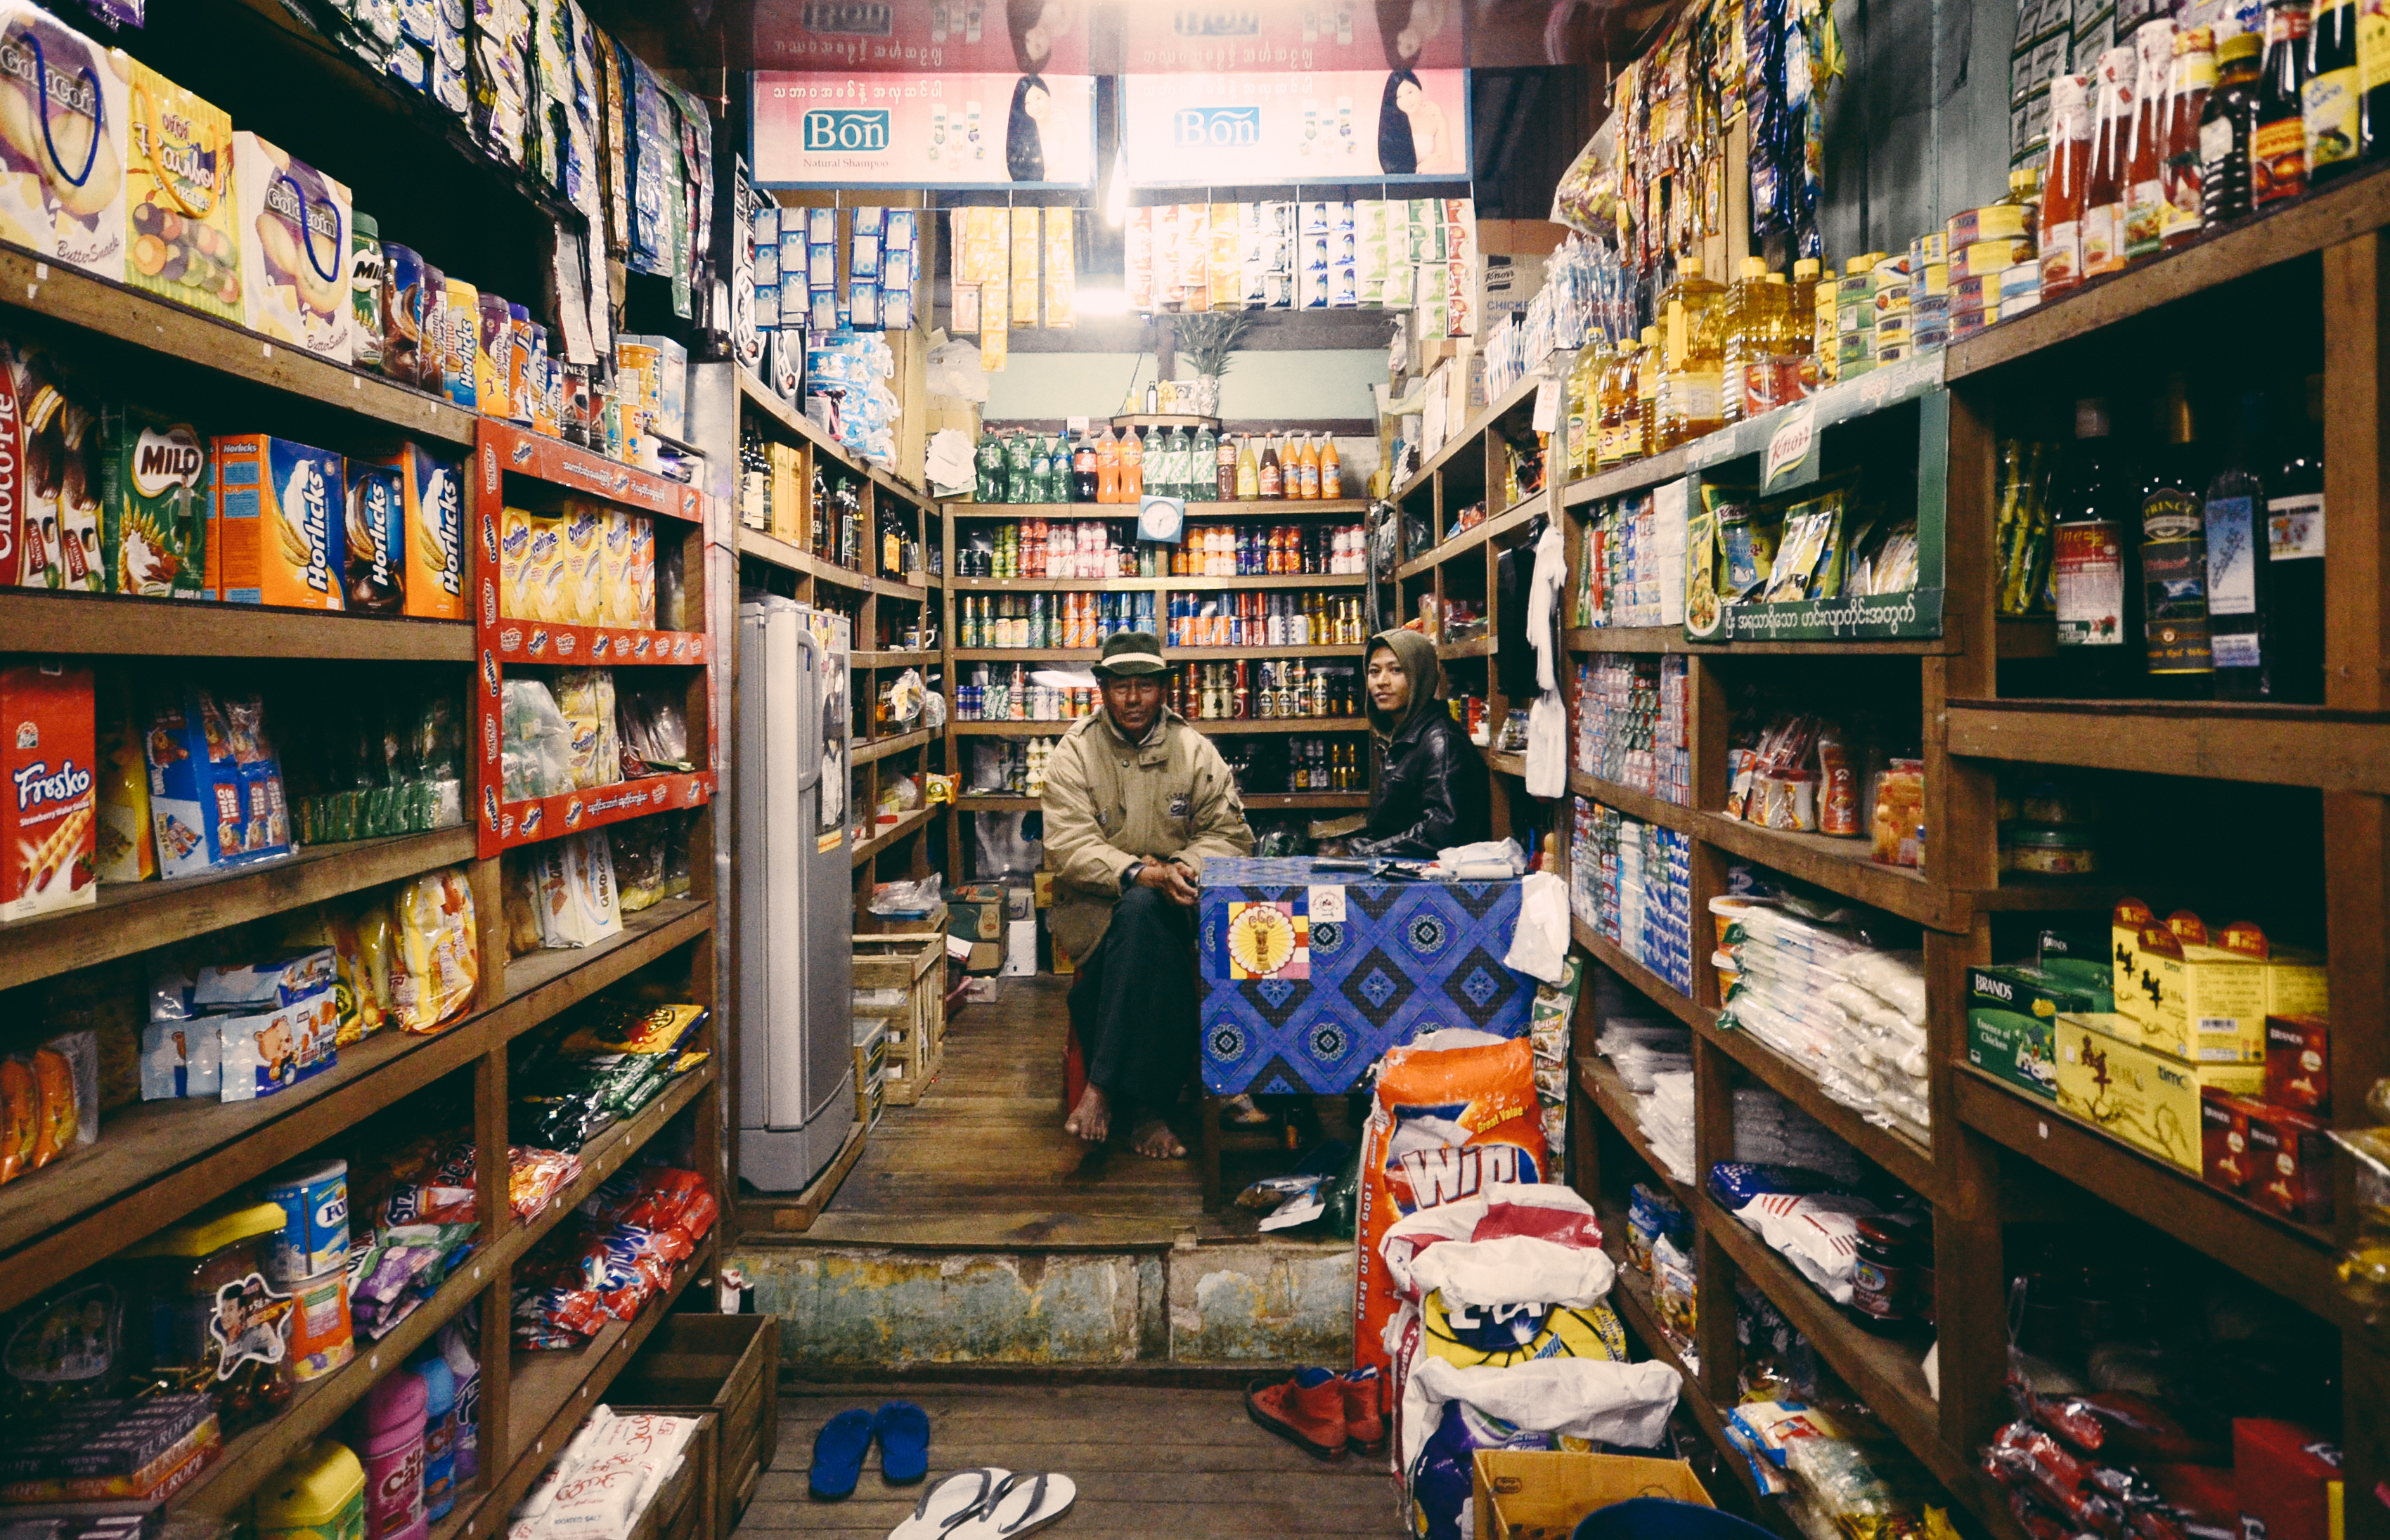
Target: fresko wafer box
(182, 219)
(281, 531)
(294, 248)
(62, 142)
(49, 841)
(432, 490)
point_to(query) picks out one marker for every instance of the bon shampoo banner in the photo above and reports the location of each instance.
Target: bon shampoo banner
(824, 128)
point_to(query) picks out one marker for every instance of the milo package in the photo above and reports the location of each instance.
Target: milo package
(154, 498)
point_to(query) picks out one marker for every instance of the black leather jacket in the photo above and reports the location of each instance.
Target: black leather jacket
(1431, 794)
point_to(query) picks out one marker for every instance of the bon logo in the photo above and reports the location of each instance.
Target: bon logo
(1216, 127)
(827, 129)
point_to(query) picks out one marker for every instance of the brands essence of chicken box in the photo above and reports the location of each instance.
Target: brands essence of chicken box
(48, 842)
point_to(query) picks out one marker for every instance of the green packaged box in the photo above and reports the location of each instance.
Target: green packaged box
(2010, 1009)
(2079, 957)
(154, 504)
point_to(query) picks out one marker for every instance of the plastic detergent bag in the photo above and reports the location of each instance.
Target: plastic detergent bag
(1440, 1480)
(1453, 1115)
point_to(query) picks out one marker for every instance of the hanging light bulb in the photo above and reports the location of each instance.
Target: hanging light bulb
(1117, 203)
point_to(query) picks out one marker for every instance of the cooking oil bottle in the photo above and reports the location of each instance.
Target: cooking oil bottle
(1692, 362)
(1585, 405)
(1753, 311)
(1647, 394)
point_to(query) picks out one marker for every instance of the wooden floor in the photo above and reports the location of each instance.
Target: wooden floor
(1149, 1463)
(983, 1159)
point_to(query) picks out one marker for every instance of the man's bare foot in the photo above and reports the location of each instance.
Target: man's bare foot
(1154, 1140)
(1092, 1119)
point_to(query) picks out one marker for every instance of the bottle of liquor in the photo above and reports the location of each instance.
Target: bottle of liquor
(2193, 78)
(2239, 597)
(2180, 656)
(2332, 98)
(2277, 150)
(2092, 563)
(2295, 546)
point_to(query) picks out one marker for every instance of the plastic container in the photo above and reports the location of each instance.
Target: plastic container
(393, 1422)
(320, 1495)
(2047, 849)
(321, 1336)
(313, 1197)
(214, 1317)
(467, 1372)
(439, 1435)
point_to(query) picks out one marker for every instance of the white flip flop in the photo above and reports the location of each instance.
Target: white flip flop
(949, 1501)
(1022, 1504)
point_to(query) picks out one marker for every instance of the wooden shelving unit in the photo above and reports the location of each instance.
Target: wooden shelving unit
(156, 1164)
(1996, 1155)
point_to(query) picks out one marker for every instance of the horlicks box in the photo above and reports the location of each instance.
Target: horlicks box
(279, 535)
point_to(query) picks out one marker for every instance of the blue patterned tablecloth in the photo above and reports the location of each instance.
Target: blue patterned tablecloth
(1325, 973)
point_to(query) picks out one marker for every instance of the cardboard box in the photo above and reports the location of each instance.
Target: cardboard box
(2283, 1474)
(2110, 1078)
(434, 539)
(1020, 949)
(1543, 1495)
(294, 252)
(2289, 1164)
(280, 536)
(376, 537)
(2298, 1063)
(182, 220)
(155, 501)
(2224, 1140)
(2010, 1009)
(49, 837)
(2192, 1000)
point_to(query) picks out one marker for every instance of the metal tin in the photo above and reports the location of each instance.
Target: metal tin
(314, 1198)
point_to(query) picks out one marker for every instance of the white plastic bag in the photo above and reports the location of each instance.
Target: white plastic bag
(1539, 947)
(1814, 1231)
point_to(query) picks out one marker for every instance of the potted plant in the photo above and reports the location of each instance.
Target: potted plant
(1207, 339)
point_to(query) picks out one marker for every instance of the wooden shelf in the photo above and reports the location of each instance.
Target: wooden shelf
(120, 626)
(1474, 434)
(53, 290)
(1634, 804)
(1261, 654)
(1505, 764)
(1025, 654)
(1886, 1372)
(1461, 542)
(1839, 865)
(896, 658)
(1658, 990)
(881, 748)
(779, 552)
(1255, 802)
(1222, 729)
(1633, 476)
(1636, 638)
(2301, 227)
(2294, 1261)
(2332, 750)
(156, 1162)
(135, 917)
(1599, 1079)
(903, 825)
(1196, 512)
(1059, 585)
(251, 1458)
(1276, 580)
(1475, 646)
(1902, 1158)
(1164, 419)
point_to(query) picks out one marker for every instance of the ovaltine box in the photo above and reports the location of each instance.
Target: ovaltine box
(584, 564)
(619, 533)
(2147, 1098)
(49, 843)
(281, 535)
(62, 142)
(434, 491)
(294, 248)
(181, 216)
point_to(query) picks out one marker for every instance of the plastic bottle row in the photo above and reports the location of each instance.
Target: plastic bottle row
(1096, 549)
(1200, 467)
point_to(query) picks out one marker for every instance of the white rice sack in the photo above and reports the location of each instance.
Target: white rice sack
(1815, 1231)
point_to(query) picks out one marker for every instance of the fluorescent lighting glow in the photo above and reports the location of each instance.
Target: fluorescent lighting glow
(1117, 203)
(1100, 302)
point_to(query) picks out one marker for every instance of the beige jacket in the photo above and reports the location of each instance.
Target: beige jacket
(1111, 804)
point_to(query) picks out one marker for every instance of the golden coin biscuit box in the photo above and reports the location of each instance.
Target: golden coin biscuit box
(294, 248)
(2107, 1077)
(182, 219)
(62, 142)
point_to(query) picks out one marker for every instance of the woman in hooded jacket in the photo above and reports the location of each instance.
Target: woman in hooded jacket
(1429, 792)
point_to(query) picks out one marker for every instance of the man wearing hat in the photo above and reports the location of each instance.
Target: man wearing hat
(1135, 800)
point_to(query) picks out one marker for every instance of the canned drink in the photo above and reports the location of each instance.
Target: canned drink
(314, 1198)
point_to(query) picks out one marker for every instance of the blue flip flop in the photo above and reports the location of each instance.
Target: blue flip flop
(904, 1431)
(839, 1449)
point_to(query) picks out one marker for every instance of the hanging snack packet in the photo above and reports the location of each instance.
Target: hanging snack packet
(1454, 1113)
(439, 957)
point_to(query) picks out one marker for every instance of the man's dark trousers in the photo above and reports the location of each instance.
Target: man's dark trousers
(1134, 1006)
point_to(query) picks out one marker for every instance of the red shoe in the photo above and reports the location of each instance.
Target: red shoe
(1307, 1410)
(1365, 1410)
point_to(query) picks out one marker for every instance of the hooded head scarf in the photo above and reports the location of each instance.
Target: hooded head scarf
(1417, 656)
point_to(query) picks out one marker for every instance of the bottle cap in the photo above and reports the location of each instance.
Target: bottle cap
(1689, 268)
(1754, 267)
(1806, 269)
(2237, 45)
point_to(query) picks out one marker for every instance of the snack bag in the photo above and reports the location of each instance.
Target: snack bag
(181, 216)
(62, 142)
(294, 250)
(1453, 1115)
(439, 961)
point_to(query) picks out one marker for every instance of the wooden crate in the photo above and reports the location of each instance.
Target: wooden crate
(728, 1366)
(871, 1068)
(914, 962)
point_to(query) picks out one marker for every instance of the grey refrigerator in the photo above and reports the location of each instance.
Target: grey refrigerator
(796, 957)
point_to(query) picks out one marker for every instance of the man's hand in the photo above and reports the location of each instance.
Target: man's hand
(1170, 879)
